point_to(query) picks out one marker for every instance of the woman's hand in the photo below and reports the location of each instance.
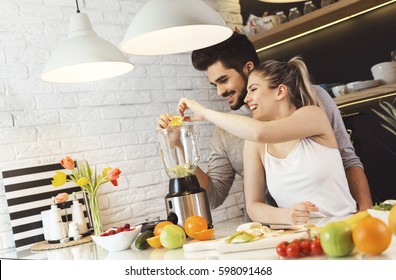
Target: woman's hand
(299, 212)
(197, 109)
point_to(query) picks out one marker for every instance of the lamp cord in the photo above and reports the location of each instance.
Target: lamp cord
(78, 8)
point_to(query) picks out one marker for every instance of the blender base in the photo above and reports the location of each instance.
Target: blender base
(185, 199)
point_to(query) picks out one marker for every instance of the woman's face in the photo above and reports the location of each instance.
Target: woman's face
(260, 98)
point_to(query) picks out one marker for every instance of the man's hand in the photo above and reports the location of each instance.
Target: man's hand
(164, 121)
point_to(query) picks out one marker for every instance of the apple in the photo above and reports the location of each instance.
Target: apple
(336, 239)
(172, 236)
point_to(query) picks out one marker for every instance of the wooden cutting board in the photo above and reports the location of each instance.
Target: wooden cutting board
(263, 243)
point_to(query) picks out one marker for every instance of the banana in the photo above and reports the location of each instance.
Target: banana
(314, 231)
(356, 218)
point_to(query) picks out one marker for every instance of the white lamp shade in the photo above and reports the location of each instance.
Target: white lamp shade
(84, 56)
(174, 26)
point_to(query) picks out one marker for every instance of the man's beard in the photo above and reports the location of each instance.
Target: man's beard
(239, 102)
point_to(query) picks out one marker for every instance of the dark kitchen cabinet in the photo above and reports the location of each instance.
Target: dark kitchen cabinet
(375, 145)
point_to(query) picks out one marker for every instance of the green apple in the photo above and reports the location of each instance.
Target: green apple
(336, 239)
(172, 237)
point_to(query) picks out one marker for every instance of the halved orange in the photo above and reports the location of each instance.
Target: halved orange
(204, 234)
(154, 241)
(194, 224)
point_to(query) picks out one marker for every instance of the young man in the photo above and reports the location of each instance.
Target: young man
(227, 66)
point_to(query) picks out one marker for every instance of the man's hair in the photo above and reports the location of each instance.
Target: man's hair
(233, 53)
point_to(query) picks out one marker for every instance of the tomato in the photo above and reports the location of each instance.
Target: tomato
(336, 239)
(293, 250)
(298, 241)
(305, 247)
(316, 247)
(281, 249)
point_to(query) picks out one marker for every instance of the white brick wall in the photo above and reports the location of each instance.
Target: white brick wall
(107, 122)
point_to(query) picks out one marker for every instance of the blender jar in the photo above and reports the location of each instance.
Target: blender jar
(179, 150)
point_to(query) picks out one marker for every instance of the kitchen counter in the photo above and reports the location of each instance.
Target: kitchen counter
(91, 251)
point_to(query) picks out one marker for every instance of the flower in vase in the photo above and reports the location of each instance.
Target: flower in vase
(83, 176)
(61, 197)
(89, 180)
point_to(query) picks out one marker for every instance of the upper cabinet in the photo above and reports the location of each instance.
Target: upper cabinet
(316, 20)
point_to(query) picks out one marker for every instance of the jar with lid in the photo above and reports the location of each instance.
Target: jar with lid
(281, 17)
(294, 13)
(325, 3)
(309, 7)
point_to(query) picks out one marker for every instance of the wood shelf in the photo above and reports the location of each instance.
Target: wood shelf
(313, 21)
(353, 101)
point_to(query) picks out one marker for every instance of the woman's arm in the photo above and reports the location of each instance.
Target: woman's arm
(307, 121)
(255, 189)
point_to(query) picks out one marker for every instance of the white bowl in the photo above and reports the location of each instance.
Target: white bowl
(382, 214)
(339, 90)
(119, 241)
(385, 71)
(379, 214)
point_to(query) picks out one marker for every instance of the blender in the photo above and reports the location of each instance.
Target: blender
(180, 154)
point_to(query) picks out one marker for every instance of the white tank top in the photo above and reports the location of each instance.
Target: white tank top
(310, 172)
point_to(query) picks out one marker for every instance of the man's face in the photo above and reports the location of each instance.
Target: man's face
(229, 83)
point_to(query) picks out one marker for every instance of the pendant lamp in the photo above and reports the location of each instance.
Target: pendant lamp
(281, 1)
(84, 56)
(174, 26)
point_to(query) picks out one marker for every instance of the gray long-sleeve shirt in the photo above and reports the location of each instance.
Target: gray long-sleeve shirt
(226, 155)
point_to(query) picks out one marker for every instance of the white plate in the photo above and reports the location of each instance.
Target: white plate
(359, 85)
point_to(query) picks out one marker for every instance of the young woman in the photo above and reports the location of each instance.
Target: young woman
(289, 142)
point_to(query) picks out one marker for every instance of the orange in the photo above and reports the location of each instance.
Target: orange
(371, 236)
(154, 241)
(158, 227)
(205, 234)
(194, 224)
(392, 220)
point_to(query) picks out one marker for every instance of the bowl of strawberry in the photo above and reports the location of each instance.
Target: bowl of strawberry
(117, 238)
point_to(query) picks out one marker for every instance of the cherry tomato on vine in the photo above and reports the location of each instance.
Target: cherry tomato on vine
(281, 249)
(293, 250)
(305, 247)
(316, 248)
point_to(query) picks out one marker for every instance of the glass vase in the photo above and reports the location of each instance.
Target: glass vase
(95, 214)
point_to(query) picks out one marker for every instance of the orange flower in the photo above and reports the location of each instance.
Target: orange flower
(67, 163)
(61, 197)
(113, 174)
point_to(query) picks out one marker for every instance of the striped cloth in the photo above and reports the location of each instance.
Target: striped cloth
(28, 192)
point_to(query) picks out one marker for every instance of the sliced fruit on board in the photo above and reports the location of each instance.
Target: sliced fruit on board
(223, 246)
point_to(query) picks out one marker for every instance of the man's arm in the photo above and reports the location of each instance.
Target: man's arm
(357, 180)
(359, 187)
(221, 174)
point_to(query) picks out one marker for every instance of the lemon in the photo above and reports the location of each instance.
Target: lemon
(154, 242)
(176, 121)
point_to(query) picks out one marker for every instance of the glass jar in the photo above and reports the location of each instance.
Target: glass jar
(294, 13)
(309, 7)
(325, 3)
(281, 17)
